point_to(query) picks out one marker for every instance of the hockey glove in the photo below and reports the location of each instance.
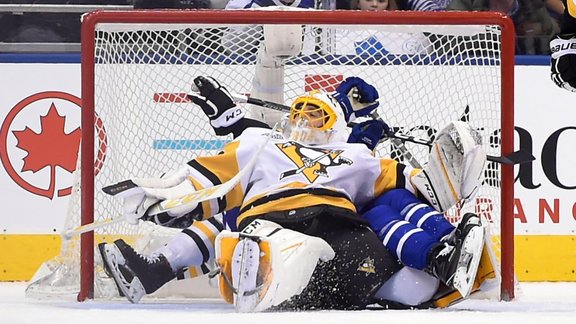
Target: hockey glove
(356, 97)
(139, 194)
(369, 132)
(217, 104)
(563, 61)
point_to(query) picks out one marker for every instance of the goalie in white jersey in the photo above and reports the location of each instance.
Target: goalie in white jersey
(312, 184)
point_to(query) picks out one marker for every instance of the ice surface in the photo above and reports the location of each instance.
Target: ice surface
(536, 303)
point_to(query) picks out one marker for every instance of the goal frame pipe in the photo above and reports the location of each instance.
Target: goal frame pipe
(334, 17)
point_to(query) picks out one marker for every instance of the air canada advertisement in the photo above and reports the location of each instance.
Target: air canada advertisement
(40, 111)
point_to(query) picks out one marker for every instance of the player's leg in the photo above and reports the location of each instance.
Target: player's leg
(455, 263)
(266, 264)
(137, 274)
(417, 212)
(279, 42)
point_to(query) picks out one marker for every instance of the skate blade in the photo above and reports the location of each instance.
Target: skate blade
(134, 290)
(106, 266)
(469, 261)
(245, 265)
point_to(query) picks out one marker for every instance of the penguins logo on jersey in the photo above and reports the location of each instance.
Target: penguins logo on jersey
(367, 265)
(311, 162)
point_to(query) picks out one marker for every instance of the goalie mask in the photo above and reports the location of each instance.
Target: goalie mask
(316, 118)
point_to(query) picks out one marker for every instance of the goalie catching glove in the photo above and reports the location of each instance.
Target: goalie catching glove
(455, 167)
(266, 264)
(356, 97)
(217, 104)
(563, 61)
(139, 194)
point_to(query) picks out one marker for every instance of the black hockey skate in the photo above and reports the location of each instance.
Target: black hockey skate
(467, 219)
(456, 261)
(135, 274)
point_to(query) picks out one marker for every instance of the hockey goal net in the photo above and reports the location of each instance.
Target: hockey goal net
(430, 68)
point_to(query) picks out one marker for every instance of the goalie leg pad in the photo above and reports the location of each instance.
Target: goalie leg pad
(245, 271)
(455, 167)
(283, 40)
(262, 264)
(280, 42)
(267, 84)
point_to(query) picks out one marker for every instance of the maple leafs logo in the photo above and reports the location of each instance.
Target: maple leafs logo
(49, 148)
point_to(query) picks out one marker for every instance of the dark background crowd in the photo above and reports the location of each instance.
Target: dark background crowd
(536, 21)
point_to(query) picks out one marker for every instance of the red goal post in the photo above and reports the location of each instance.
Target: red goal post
(103, 51)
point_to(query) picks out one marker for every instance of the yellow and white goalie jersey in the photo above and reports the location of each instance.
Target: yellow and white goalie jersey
(289, 175)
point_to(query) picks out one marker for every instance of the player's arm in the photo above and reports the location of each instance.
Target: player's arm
(355, 96)
(139, 195)
(226, 117)
(563, 48)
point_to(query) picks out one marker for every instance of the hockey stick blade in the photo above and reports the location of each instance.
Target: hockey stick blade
(119, 187)
(211, 192)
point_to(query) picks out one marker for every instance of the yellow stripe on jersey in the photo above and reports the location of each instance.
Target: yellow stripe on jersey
(295, 202)
(206, 209)
(388, 176)
(210, 234)
(572, 8)
(215, 164)
(193, 272)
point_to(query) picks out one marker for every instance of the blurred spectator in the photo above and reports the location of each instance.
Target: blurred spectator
(509, 7)
(373, 5)
(245, 4)
(425, 5)
(246, 39)
(555, 8)
(171, 4)
(43, 27)
(382, 44)
(534, 27)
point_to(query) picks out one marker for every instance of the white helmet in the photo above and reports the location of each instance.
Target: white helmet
(316, 118)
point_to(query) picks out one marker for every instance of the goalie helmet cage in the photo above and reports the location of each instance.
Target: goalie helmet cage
(428, 67)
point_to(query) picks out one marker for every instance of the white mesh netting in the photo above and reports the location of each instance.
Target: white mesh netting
(427, 75)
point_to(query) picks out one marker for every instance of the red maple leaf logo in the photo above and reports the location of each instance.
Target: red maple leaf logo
(51, 147)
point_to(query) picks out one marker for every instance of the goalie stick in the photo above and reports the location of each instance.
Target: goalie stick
(70, 233)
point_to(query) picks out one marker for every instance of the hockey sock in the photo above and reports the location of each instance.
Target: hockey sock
(188, 248)
(410, 244)
(416, 212)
